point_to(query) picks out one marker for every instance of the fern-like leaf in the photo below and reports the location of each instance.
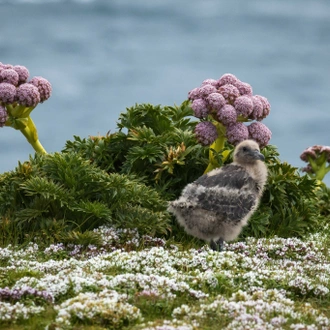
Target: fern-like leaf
(38, 186)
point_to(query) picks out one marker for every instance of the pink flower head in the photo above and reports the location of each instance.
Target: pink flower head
(258, 109)
(3, 116)
(5, 66)
(200, 108)
(23, 73)
(194, 94)
(229, 92)
(237, 133)
(307, 169)
(228, 78)
(260, 133)
(211, 82)
(28, 95)
(215, 101)
(206, 90)
(243, 105)
(44, 87)
(314, 152)
(244, 88)
(265, 106)
(9, 76)
(7, 93)
(227, 115)
(311, 152)
(326, 150)
(206, 133)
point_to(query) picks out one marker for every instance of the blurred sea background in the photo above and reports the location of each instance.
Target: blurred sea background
(105, 55)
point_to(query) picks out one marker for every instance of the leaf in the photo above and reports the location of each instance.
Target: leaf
(45, 188)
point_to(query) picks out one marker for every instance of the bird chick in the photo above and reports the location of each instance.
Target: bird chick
(217, 205)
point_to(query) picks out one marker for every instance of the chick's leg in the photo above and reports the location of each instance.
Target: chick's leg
(216, 245)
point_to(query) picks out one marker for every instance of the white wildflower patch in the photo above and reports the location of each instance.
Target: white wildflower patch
(256, 310)
(28, 253)
(16, 311)
(169, 325)
(106, 307)
(257, 284)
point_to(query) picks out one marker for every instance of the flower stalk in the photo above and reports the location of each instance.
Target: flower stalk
(216, 147)
(318, 161)
(19, 119)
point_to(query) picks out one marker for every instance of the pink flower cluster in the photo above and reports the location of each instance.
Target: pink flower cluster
(230, 102)
(16, 89)
(315, 153)
(3, 116)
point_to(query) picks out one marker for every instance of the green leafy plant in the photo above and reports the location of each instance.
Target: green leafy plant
(167, 157)
(155, 144)
(289, 205)
(317, 159)
(323, 207)
(125, 178)
(54, 194)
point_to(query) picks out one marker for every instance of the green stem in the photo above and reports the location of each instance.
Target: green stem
(21, 111)
(9, 109)
(313, 164)
(19, 118)
(319, 167)
(31, 134)
(216, 146)
(322, 171)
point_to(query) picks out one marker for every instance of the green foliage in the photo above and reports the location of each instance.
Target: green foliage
(323, 195)
(12, 275)
(289, 206)
(80, 238)
(60, 196)
(323, 207)
(126, 178)
(159, 148)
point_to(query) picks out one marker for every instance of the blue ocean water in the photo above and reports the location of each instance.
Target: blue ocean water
(103, 56)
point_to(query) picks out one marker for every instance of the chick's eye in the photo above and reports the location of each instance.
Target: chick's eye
(245, 149)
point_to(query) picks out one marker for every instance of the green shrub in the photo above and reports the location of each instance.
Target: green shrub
(158, 147)
(53, 194)
(289, 205)
(126, 178)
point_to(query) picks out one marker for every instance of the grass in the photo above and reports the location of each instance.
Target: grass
(147, 283)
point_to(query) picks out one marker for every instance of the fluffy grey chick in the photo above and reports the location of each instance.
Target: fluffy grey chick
(216, 206)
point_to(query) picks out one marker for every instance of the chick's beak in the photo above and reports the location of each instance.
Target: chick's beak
(259, 155)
